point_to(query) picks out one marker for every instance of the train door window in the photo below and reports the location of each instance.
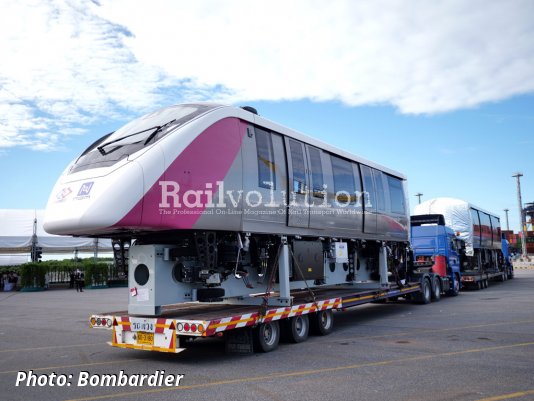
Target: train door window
(298, 167)
(343, 181)
(396, 195)
(369, 200)
(380, 190)
(316, 172)
(266, 166)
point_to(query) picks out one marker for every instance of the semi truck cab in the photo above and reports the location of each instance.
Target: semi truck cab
(437, 249)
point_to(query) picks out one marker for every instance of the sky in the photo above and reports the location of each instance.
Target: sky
(440, 91)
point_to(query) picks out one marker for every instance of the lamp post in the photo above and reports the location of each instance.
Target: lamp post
(419, 194)
(521, 216)
(507, 225)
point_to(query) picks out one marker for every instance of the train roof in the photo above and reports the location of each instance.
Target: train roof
(426, 207)
(232, 111)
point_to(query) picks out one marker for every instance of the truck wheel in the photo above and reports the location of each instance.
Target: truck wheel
(485, 284)
(297, 328)
(425, 296)
(479, 285)
(436, 289)
(455, 290)
(322, 322)
(267, 336)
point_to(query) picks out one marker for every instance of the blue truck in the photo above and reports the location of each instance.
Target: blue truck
(437, 250)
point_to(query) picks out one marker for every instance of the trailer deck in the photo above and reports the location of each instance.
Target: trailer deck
(162, 333)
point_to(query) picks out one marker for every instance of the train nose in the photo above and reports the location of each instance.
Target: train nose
(90, 204)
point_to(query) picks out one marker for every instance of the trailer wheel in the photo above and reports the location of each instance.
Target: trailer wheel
(267, 336)
(436, 289)
(455, 290)
(297, 329)
(322, 322)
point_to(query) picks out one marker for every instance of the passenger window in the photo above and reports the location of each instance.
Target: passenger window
(380, 195)
(266, 166)
(368, 188)
(317, 172)
(299, 169)
(396, 195)
(343, 180)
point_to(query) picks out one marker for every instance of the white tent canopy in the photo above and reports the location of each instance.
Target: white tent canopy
(17, 228)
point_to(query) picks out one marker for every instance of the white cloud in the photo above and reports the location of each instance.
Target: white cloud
(67, 63)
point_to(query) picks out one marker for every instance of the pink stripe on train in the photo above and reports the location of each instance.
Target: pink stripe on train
(205, 160)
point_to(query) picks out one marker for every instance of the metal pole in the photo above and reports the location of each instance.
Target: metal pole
(419, 194)
(507, 225)
(95, 255)
(521, 216)
(34, 241)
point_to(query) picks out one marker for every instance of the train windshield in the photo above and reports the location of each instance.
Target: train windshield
(137, 134)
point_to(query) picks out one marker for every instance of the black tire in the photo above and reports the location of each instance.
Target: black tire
(210, 294)
(267, 336)
(436, 289)
(479, 285)
(425, 295)
(486, 283)
(296, 329)
(455, 290)
(322, 322)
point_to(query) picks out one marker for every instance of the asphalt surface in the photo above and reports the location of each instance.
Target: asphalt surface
(477, 346)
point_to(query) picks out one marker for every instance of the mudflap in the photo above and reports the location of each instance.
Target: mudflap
(239, 341)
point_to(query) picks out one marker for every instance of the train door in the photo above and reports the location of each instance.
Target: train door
(345, 198)
(370, 203)
(298, 191)
(382, 198)
(264, 181)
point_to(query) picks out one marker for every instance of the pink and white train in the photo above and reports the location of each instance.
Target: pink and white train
(209, 192)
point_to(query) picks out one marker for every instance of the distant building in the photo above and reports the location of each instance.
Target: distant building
(515, 240)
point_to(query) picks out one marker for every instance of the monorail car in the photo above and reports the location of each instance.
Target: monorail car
(219, 188)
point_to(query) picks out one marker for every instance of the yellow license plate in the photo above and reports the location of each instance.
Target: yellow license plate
(145, 338)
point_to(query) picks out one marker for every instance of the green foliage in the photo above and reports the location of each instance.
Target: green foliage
(96, 274)
(7, 269)
(33, 275)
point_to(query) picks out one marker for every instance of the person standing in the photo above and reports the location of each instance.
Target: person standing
(79, 278)
(71, 279)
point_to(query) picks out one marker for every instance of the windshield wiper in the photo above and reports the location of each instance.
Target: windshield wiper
(103, 152)
(157, 131)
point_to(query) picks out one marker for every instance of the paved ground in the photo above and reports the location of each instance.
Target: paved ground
(477, 346)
